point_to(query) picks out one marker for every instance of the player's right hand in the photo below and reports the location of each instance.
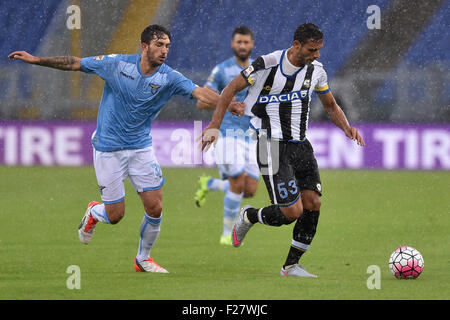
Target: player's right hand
(24, 56)
(237, 108)
(208, 137)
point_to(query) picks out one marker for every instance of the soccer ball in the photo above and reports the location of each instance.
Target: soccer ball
(406, 263)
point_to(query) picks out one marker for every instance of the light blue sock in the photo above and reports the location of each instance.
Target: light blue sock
(99, 213)
(218, 184)
(231, 205)
(149, 232)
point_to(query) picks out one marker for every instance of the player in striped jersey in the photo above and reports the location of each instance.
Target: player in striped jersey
(280, 87)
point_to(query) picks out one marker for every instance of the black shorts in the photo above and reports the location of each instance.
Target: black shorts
(287, 169)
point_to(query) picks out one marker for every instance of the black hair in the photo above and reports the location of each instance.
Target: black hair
(307, 31)
(242, 30)
(153, 31)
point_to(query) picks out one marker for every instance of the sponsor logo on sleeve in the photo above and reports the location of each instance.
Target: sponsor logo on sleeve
(248, 71)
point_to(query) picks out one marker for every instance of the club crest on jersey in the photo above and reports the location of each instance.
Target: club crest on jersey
(285, 97)
(154, 87)
(99, 58)
(307, 83)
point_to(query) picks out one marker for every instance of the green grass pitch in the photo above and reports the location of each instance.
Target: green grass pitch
(365, 216)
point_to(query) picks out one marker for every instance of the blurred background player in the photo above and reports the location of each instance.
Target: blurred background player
(235, 152)
(136, 88)
(280, 88)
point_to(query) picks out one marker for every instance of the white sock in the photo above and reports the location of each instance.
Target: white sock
(231, 205)
(149, 232)
(99, 213)
(218, 184)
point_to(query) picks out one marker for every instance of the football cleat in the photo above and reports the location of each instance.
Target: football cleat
(297, 271)
(226, 240)
(87, 225)
(241, 227)
(148, 265)
(202, 191)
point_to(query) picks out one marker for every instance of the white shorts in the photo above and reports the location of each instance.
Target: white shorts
(112, 168)
(234, 156)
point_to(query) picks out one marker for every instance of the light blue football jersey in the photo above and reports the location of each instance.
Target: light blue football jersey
(220, 77)
(131, 100)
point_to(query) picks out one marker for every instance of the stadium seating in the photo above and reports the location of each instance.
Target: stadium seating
(23, 29)
(432, 48)
(202, 30)
(433, 44)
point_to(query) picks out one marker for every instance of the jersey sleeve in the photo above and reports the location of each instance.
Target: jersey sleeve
(214, 80)
(181, 85)
(322, 84)
(100, 65)
(250, 73)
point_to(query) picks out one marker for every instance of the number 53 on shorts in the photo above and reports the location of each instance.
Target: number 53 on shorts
(284, 192)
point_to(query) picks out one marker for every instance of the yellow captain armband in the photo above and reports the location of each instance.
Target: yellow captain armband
(323, 89)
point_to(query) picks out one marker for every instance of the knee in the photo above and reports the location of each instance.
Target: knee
(249, 192)
(312, 203)
(237, 187)
(316, 203)
(154, 210)
(115, 214)
(251, 185)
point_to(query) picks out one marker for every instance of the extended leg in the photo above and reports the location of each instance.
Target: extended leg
(149, 231)
(304, 228)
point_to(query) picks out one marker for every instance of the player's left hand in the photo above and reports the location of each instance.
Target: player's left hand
(237, 108)
(353, 134)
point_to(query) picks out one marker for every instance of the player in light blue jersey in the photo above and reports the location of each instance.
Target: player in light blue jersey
(235, 152)
(136, 88)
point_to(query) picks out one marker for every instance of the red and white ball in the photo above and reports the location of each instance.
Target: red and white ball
(406, 263)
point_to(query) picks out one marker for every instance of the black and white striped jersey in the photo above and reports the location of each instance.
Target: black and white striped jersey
(279, 102)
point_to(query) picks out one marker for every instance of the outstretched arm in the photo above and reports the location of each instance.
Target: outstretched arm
(210, 134)
(338, 117)
(205, 100)
(236, 108)
(61, 63)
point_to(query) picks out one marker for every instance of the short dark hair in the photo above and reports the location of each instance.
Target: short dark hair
(242, 30)
(307, 31)
(153, 31)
